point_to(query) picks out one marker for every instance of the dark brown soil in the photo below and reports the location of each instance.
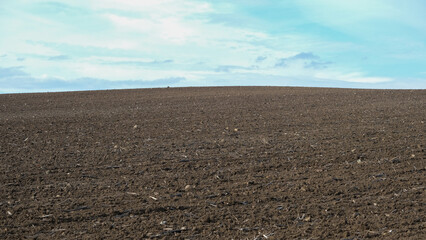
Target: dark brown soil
(213, 163)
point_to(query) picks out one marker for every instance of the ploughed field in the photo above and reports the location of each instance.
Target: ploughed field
(213, 163)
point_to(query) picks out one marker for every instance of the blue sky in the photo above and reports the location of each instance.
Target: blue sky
(105, 44)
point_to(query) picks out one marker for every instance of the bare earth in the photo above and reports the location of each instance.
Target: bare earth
(213, 163)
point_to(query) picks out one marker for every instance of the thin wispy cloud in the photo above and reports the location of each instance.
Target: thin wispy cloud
(261, 59)
(303, 56)
(377, 44)
(12, 72)
(230, 68)
(58, 58)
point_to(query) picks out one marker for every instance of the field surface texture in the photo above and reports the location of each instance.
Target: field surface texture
(213, 163)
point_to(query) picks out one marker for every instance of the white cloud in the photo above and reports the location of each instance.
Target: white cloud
(135, 39)
(171, 29)
(155, 8)
(354, 77)
(128, 72)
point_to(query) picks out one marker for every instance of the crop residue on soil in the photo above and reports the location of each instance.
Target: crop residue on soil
(213, 163)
